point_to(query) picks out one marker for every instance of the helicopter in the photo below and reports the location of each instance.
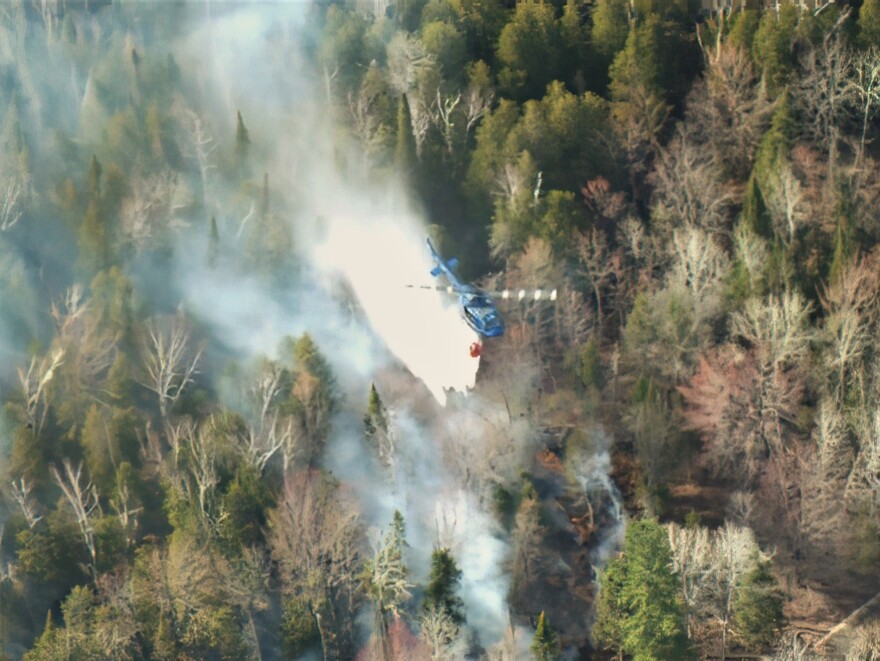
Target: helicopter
(477, 308)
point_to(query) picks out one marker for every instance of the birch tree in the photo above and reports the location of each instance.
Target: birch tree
(83, 499)
(168, 361)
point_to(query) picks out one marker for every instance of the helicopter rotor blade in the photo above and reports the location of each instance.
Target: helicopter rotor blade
(540, 294)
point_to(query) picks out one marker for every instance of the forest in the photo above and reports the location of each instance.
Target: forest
(220, 439)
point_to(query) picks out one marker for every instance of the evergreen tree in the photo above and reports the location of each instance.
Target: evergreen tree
(405, 150)
(440, 594)
(758, 615)
(642, 613)
(545, 643)
(242, 141)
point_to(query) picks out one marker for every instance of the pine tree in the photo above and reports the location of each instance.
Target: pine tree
(443, 583)
(242, 141)
(758, 615)
(405, 150)
(545, 643)
(639, 611)
(213, 243)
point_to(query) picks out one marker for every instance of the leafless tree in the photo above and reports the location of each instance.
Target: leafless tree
(315, 537)
(10, 205)
(407, 61)
(825, 92)
(851, 313)
(368, 126)
(152, 207)
(728, 109)
(200, 142)
(21, 493)
(865, 83)
(597, 263)
(699, 265)
(778, 328)
(439, 631)
(443, 116)
(83, 500)
(34, 382)
(203, 464)
(477, 102)
(785, 201)
(711, 566)
(689, 187)
(169, 364)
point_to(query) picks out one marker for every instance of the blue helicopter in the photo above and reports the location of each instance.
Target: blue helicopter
(477, 307)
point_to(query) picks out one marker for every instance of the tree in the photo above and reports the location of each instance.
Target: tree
(772, 48)
(385, 576)
(869, 23)
(528, 49)
(315, 537)
(83, 499)
(611, 25)
(758, 615)
(440, 593)
(242, 141)
(168, 361)
(545, 644)
(384, 579)
(643, 595)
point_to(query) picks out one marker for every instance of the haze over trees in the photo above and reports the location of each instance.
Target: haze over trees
(702, 189)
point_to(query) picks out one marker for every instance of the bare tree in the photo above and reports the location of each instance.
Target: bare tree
(785, 202)
(407, 61)
(168, 360)
(10, 205)
(866, 85)
(200, 142)
(728, 108)
(778, 328)
(699, 265)
(689, 186)
(315, 537)
(443, 116)
(152, 207)
(83, 500)
(597, 263)
(203, 464)
(34, 382)
(825, 92)
(477, 102)
(21, 493)
(851, 313)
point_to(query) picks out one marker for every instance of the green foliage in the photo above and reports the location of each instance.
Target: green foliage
(243, 510)
(591, 370)
(545, 642)
(643, 614)
(529, 51)
(758, 608)
(343, 45)
(610, 28)
(299, 629)
(440, 593)
(869, 23)
(447, 44)
(772, 48)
